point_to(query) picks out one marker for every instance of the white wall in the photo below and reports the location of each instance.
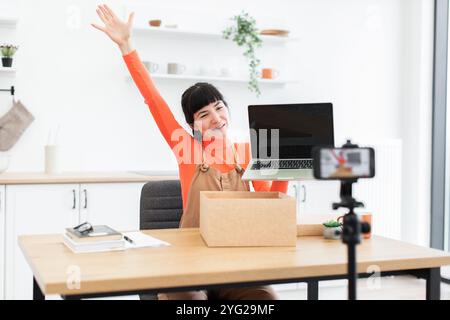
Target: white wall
(417, 116)
(365, 56)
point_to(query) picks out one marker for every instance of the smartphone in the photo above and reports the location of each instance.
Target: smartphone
(343, 163)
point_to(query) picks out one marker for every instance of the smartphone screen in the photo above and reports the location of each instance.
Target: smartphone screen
(344, 163)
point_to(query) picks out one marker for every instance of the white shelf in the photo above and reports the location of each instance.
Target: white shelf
(196, 33)
(215, 79)
(7, 70)
(8, 22)
(177, 33)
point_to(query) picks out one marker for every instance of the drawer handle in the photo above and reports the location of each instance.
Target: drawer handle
(74, 199)
(295, 190)
(85, 198)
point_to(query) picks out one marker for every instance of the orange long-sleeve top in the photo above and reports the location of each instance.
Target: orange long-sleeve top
(179, 140)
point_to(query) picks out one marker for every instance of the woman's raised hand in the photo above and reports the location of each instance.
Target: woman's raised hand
(118, 30)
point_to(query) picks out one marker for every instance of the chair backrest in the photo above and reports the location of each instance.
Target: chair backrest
(161, 205)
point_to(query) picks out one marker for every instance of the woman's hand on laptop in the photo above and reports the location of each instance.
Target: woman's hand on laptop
(117, 30)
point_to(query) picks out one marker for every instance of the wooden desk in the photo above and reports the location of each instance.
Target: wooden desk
(190, 265)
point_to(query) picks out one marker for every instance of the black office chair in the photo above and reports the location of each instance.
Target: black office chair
(161, 208)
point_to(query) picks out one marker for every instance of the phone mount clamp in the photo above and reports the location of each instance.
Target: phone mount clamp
(352, 227)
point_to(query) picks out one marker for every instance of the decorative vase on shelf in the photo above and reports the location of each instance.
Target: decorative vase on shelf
(7, 62)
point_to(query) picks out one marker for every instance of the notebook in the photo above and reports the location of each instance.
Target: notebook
(100, 233)
(130, 240)
(96, 246)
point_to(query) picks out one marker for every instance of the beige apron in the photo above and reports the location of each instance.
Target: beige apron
(210, 179)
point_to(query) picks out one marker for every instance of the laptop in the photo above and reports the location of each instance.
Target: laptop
(282, 137)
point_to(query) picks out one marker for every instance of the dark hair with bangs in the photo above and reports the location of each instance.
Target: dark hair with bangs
(198, 96)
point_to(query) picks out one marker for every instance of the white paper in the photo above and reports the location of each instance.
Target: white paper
(142, 240)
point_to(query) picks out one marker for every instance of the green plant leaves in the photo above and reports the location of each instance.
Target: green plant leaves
(8, 50)
(332, 224)
(245, 34)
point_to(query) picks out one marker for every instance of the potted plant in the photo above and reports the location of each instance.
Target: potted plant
(8, 52)
(332, 229)
(245, 34)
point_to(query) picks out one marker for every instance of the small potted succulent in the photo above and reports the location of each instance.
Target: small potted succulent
(332, 229)
(8, 51)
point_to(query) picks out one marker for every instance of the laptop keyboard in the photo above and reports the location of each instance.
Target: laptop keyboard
(283, 164)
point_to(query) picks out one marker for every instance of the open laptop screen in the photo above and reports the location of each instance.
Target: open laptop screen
(301, 127)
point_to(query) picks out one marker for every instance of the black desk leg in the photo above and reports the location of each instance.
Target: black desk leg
(37, 293)
(433, 278)
(313, 289)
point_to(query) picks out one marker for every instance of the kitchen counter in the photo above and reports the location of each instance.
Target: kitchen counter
(84, 177)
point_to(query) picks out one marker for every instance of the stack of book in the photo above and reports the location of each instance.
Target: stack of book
(101, 238)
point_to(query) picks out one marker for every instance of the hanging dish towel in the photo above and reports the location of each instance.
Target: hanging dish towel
(13, 124)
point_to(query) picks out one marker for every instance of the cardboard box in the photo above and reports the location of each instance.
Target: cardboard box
(244, 219)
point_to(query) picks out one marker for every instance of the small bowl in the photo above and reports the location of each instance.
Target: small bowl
(4, 162)
(154, 23)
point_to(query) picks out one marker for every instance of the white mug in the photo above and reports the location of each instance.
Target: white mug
(52, 159)
(152, 67)
(175, 68)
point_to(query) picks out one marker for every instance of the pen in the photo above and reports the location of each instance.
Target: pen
(128, 239)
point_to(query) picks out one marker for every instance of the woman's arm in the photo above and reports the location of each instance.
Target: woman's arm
(161, 112)
(259, 185)
(120, 32)
(280, 186)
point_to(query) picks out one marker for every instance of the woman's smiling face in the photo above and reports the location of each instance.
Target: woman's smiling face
(212, 120)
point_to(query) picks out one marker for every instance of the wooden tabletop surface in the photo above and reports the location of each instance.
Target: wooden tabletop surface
(79, 177)
(189, 262)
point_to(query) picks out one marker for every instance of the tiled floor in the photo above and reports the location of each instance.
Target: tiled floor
(386, 288)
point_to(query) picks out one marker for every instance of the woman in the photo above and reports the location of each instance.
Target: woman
(207, 160)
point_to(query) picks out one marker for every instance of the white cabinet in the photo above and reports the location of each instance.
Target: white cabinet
(2, 242)
(116, 205)
(314, 196)
(50, 208)
(34, 209)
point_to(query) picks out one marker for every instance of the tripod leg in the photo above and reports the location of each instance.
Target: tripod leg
(352, 274)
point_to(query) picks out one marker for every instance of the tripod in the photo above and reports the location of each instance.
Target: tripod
(351, 232)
